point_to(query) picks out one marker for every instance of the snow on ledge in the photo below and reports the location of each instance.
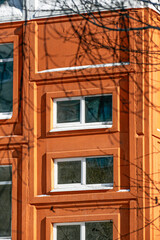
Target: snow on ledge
(45, 8)
(10, 10)
(65, 190)
(124, 190)
(84, 67)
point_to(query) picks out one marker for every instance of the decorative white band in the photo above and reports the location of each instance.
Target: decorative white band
(85, 67)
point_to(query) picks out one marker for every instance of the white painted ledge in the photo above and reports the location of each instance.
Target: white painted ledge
(76, 189)
(83, 127)
(85, 67)
(82, 188)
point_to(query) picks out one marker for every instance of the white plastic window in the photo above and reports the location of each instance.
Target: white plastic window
(83, 231)
(83, 173)
(82, 112)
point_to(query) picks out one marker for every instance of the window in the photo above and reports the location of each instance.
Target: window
(2, 1)
(84, 173)
(83, 112)
(83, 231)
(11, 10)
(5, 201)
(6, 80)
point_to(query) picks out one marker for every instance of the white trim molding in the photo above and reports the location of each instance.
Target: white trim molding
(85, 67)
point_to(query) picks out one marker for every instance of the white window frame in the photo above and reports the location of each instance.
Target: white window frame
(6, 115)
(81, 124)
(6, 183)
(82, 185)
(81, 224)
(4, 238)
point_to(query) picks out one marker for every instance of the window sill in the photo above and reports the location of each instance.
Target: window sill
(84, 127)
(7, 115)
(83, 188)
(4, 238)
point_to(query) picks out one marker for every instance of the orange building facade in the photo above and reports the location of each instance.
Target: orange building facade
(79, 136)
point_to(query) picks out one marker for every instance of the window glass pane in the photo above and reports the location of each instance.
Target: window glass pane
(5, 210)
(99, 170)
(5, 173)
(98, 109)
(6, 87)
(6, 50)
(99, 231)
(68, 111)
(69, 232)
(69, 172)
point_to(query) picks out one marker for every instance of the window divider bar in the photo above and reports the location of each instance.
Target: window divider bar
(83, 170)
(55, 173)
(83, 232)
(54, 231)
(82, 111)
(54, 113)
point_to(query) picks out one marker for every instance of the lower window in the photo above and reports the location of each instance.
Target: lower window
(83, 231)
(5, 201)
(89, 172)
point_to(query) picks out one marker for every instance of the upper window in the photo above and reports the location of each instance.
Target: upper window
(84, 173)
(5, 201)
(83, 112)
(83, 231)
(6, 80)
(11, 10)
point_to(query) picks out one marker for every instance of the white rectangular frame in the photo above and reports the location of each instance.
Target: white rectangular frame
(81, 124)
(81, 224)
(82, 185)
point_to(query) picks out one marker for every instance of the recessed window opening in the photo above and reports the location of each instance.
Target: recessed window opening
(5, 201)
(84, 172)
